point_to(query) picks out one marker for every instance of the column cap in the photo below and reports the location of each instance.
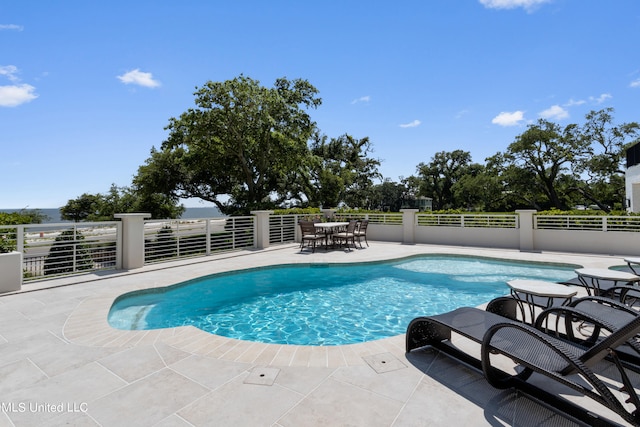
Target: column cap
(132, 215)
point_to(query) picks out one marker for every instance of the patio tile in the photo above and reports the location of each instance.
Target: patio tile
(397, 384)
(335, 403)
(238, 404)
(20, 374)
(19, 348)
(147, 401)
(173, 421)
(71, 419)
(210, 372)
(81, 385)
(135, 363)
(302, 380)
(67, 357)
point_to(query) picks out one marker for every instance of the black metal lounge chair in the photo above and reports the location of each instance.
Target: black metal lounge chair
(309, 235)
(582, 321)
(533, 351)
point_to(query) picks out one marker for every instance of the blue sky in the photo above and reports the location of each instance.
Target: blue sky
(87, 87)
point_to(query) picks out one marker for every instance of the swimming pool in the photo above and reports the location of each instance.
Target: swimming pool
(326, 304)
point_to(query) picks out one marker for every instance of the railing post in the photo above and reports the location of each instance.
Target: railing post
(408, 226)
(132, 239)
(20, 238)
(262, 228)
(207, 236)
(526, 229)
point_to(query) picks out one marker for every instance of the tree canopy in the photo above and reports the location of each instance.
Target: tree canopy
(237, 146)
(248, 147)
(102, 207)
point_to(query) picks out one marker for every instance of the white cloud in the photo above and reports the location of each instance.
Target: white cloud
(412, 124)
(572, 102)
(140, 78)
(361, 99)
(9, 71)
(508, 119)
(11, 27)
(462, 113)
(528, 5)
(601, 98)
(554, 112)
(635, 83)
(14, 95)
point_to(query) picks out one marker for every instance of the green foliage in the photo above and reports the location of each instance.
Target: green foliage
(103, 207)
(297, 211)
(8, 235)
(237, 147)
(68, 254)
(439, 176)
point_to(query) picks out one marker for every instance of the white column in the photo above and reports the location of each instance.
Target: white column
(526, 229)
(262, 228)
(132, 239)
(408, 226)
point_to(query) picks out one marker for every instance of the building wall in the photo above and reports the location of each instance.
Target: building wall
(632, 188)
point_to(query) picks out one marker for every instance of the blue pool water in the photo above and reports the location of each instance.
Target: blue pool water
(325, 304)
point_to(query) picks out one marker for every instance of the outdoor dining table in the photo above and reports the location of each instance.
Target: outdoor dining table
(328, 228)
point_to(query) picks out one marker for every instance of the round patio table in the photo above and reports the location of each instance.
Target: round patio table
(531, 292)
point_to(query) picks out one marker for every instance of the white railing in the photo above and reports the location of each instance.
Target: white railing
(467, 221)
(282, 229)
(173, 239)
(374, 218)
(62, 249)
(587, 223)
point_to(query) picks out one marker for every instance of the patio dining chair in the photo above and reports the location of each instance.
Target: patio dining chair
(361, 232)
(347, 235)
(534, 351)
(309, 235)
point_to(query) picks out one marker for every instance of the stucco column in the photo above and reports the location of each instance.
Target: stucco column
(262, 228)
(132, 239)
(526, 229)
(328, 212)
(408, 226)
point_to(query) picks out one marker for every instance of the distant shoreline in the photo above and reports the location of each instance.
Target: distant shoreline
(53, 214)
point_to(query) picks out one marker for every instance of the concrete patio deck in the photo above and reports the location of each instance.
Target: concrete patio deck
(62, 364)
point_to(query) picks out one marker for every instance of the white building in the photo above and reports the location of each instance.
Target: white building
(632, 178)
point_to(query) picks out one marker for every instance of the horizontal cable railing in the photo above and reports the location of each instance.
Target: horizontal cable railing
(374, 218)
(282, 228)
(60, 249)
(467, 221)
(173, 239)
(587, 223)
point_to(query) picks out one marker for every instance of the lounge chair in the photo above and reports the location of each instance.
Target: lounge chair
(582, 321)
(309, 235)
(346, 236)
(361, 232)
(533, 351)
